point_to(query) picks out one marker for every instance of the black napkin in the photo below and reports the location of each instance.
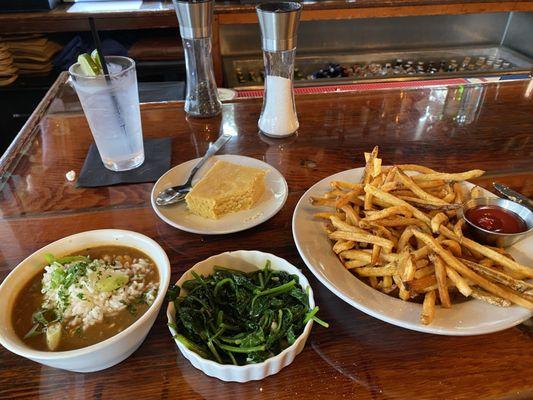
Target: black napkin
(157, 154)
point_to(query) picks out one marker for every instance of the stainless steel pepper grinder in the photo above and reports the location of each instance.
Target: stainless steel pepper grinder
(194, 19)
(279, 26)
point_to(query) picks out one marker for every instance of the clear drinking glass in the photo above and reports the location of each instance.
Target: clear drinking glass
(111, 106)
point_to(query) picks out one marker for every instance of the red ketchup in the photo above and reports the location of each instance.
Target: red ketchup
(496, 219)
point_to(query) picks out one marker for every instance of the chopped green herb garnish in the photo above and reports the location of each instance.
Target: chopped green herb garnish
(49, 257)
(80, 296)
(34, 331)
(131, 309)
(71, 259)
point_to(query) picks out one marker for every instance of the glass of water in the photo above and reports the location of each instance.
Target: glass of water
(111, 106)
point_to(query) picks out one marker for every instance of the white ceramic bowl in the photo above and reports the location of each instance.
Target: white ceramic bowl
(100, 355)
(245, 261)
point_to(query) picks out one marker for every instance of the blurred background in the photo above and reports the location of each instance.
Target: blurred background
(339, 42)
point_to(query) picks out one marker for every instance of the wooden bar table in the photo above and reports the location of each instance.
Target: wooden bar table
(487, 126)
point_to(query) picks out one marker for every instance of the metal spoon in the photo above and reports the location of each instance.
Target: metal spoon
(176, 194)
(510, 194)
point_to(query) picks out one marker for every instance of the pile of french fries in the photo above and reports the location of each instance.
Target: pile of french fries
(398, 230)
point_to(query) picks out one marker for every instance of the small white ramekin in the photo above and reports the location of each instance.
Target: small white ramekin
(101, 355)
(247, 261)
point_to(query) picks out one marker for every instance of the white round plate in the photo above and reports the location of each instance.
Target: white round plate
(471, 317)
(179, 216)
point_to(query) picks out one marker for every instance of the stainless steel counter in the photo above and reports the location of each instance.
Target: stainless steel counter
(361, 49)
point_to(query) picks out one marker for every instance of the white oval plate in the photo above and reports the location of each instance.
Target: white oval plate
(471, 317)
(179, 216)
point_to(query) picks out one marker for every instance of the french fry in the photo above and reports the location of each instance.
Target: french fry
(376, 202)
(403, 292)
(489, 298)
(486, 262)
(428, 308)
(476, 192)
(406, 267)
(349, 197)
(328, 215)
(420, 273)
(343, 226)
(334, 193)
(421, 285)
(351, 216)
(373, 280)
(406, 235)
(376, 250)
(356, 255)
(437, 221)
(421, 252)
(368, 174)
(440, 274)
(500, 259)
(500, 277)
(462, 176)
(436, 184)
(460, 283)
(347, 185)
(453, 246)
(385, 257)
(355, 264)
(387, 270)
(449, 195)
(459, 195)
(387, 212)
(343, 245)
(387, 282)
(376, 171)
(428, 204)
(362, 237)
(458, 227)
(421, 193)
(322, 201)
(468, 273)
(406, 193)
(391, 199)
(415, 167)
(398, 221)
(390, 175)
(390, 186)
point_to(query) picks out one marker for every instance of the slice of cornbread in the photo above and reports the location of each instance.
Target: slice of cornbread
(226, 188)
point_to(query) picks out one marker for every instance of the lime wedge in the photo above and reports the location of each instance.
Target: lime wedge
(53, 336)
(96, 59)
(87, 65)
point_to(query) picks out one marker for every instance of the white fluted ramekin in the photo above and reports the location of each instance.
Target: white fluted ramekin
(245, 261)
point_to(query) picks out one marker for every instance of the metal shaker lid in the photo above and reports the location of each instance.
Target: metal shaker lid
(279, 24)
(194, 17)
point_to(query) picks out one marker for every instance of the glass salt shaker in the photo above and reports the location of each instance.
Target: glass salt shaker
(279, 25)
(195, 29)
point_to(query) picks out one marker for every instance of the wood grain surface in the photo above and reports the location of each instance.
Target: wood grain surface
(447, 128)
